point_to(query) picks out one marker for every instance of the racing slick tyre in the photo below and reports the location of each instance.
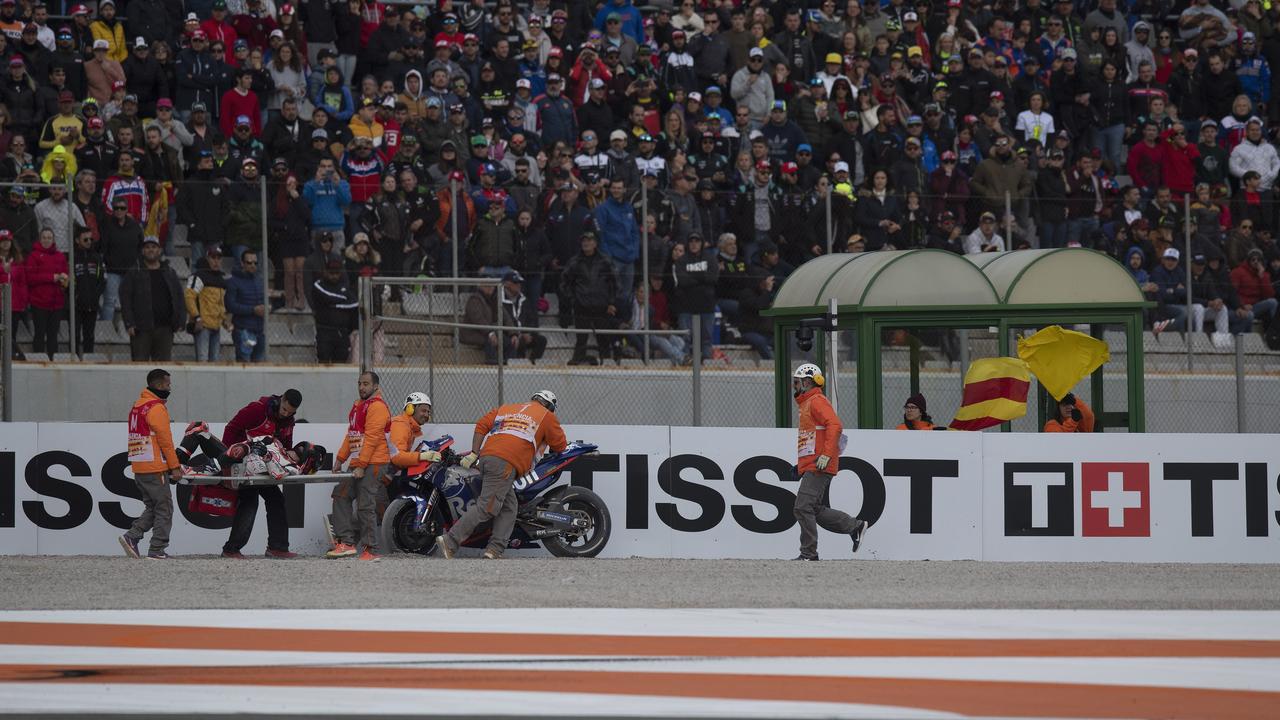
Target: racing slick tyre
(398, 533)
(589, 506)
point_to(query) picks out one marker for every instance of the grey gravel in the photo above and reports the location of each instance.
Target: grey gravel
(80, 582)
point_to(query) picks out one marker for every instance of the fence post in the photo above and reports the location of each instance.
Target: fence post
(501, 341)
(264, 264)
(1008, 221)
(6, 347)
(831, 232)
(71, 278)
(1242, 422)
(431, 342)
(453, 242)
(833, 361)
(366, 323)
(1186, 260)
(697, 369)
(644, 266)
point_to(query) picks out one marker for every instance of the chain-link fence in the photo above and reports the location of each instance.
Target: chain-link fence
(752, 235)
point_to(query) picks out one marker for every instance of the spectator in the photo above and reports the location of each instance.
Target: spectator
(481, 309)
(493, 245)
(329, 196)
(13, 272)
(757, 331)
(121, 243)
(1252, 284)
(620, 235)
(696, 273)
(1000, 176)
(984, 238)
(246, 303)
(752, 88)
(205, 295)
(1051, 196)
(1256, 154)
(290, 226)
(335, 306)
(58, 215)
(523, 313)
(590, 286)
(47, 279)
(89, 272)
(152, 305)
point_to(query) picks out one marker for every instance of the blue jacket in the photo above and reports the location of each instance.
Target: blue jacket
(619, 233)
(783, 140)
(558, 123)
(1169, 292)
(325, 96)
(1255, 77)
(244, 292)
(327, 200)
(632, 21)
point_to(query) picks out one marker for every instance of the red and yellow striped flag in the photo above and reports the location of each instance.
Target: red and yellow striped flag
(995, 391)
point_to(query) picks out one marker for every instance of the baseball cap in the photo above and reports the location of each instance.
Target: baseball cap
(524, 83)
(841, 166)
(1198, 258)
(764, 166)
(479, 141)
(596, 83)
(915, 120)
(915, 51)
(243, 120)
(910, 17)
(66, 96)
(1068, 54)
(249, 161)
(1171, 253)
(833, 58)
(164, 103)
(101, 45)
(713, 90)
(512, 276)
(618, 135)
(789, 168)
(151, 240)
(320, 133)
(755, 52)
(279, 161)
(131, 98)
(804, 147)
(949, 155)
(779, 105)
(95, 123)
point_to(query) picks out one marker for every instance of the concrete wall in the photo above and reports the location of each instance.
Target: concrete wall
(626, 395)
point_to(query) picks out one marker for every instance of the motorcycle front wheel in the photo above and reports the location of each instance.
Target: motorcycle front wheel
(399, 533)
(589, 506)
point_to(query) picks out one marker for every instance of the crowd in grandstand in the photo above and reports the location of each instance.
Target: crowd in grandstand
(543, 141)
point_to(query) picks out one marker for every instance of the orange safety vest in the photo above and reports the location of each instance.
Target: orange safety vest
(366, 450)
(517, 431)
(818, 432)
(150, 442)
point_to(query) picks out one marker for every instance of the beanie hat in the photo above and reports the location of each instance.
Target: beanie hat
(918, 401)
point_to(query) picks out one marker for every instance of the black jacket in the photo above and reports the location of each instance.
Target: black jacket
(147, 80)
(136, 302)
(203, 207)
(121, 244)
(284, 139)
(88, 272)
(334, 305)
(589, 282)
(695, 283)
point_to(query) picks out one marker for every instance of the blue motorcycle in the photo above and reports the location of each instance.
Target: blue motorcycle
(427, 499)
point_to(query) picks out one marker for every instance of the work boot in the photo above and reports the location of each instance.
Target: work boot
(443, 545)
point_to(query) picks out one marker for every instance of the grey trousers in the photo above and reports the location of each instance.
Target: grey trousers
(497, 501)
(359, 526)
(157, 511)
(810, 512)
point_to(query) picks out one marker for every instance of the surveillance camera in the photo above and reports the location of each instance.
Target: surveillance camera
(804, 339)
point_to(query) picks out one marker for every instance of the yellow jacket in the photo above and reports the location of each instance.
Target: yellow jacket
(112, 34)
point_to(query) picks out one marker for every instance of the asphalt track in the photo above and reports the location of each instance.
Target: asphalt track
(83, 583)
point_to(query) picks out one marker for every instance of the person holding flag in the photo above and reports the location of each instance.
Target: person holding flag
(1070, 415)
(818, 460)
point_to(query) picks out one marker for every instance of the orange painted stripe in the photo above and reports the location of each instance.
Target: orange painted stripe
(969, 697)
(409, 641)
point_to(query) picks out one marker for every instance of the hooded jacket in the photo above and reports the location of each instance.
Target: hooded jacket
(417, 103)
(42, 264)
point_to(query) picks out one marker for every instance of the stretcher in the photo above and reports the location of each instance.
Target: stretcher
(250, 480)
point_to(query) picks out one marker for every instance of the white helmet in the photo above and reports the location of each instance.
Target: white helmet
(810, 371)
(416, 398)
(547, 397)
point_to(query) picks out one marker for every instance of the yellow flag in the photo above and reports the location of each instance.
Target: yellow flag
(1061, 358)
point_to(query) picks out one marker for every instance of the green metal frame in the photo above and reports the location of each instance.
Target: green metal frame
(868, 323)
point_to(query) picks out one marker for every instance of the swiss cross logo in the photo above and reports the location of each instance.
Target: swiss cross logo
(1115, 499)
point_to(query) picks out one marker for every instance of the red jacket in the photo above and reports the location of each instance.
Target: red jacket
(1251, 288)
(235, 104)
(818, 432)
(42, 264)
(259, 418)
(1179, 168)
(580, 78)
(221, 31)
(16, 277)
(1145, 164)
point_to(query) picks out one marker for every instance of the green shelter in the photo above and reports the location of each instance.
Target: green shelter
(936, 289)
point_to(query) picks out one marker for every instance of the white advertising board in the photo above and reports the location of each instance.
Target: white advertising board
(66, 488)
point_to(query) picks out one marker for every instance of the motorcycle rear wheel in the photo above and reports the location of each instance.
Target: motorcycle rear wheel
(399, 535)
(590, 506)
